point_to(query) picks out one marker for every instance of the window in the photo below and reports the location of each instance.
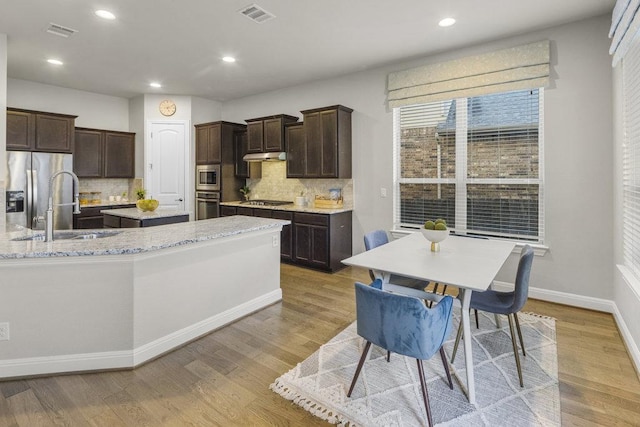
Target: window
(476, 162)
(631, 159)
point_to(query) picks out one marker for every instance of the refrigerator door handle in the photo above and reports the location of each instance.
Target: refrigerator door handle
(32, 183)
(29, 198)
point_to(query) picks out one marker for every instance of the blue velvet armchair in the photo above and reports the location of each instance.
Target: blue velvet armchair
(403, 325)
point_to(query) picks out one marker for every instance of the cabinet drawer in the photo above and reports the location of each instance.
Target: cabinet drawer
(245, 211)
(283, 215)
(263, 213)
(311, 219)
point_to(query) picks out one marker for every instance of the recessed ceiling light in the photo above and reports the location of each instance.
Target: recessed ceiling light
(155, 84)
(447, 22)
(105, 14)
(55, 61)
(228, 59)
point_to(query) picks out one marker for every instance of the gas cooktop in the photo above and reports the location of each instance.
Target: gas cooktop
(258, 202)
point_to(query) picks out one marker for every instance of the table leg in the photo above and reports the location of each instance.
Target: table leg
(466, 334)
(496, 316)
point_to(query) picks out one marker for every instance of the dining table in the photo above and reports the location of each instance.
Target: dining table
(469, 263)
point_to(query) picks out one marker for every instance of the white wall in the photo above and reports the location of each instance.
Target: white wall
(578, 150)
(136, 124)
(93, 109)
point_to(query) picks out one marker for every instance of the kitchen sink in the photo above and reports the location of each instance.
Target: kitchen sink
(70, 235)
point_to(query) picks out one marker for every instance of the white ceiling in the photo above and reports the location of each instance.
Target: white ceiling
(180, 42)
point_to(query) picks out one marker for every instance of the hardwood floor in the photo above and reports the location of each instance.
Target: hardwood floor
(223, 378)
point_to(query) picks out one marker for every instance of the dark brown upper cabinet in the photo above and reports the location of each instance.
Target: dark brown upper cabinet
(119, 155)
(104, 154)
(327, 135)
(210, 140)
(39, 131)
(266, 134)
(296, 150)
(244, 169)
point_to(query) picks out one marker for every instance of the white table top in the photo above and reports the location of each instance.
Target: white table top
(462, 261)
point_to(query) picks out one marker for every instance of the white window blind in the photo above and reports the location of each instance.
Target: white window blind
(631, 159)
(476, 162)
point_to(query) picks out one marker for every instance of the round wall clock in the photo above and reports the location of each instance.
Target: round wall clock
(167, 108)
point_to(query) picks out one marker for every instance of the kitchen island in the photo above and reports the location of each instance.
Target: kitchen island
(115, 302)
(135, 218)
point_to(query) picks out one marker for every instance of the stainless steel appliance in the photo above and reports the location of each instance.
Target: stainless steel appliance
(27, 189)
(207, 205)
(208, 177)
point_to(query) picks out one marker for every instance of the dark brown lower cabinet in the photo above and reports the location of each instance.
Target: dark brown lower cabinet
(319, 241)
(286, 236)
(116, 221)
(90, 216)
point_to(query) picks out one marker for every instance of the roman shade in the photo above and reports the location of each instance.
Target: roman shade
(625, 25)
(517, 68)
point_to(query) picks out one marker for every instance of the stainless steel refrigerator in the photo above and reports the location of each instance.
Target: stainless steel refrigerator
(27, 187)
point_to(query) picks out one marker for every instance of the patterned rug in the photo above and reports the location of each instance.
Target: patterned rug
(388, 394)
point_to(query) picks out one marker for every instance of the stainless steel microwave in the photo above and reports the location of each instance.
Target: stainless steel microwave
(208, 177)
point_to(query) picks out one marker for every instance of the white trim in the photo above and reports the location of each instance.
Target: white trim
(191, 332)
(131, 358)
(598, 304)
(632, 348)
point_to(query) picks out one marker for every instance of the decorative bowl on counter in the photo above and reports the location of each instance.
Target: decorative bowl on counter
(435, 237)
(147, 205)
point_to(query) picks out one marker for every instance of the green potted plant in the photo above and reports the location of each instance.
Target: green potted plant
(245, 190)
(140, 193)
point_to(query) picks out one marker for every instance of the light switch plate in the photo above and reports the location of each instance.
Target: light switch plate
(4, 331)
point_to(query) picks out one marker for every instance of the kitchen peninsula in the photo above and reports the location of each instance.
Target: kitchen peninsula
(121, 300)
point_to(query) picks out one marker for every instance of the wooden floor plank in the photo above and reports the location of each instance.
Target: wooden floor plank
(223, 378)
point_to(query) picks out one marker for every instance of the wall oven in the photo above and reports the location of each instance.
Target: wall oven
(207, 205)
(208, 177)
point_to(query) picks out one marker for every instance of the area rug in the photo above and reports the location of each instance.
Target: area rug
(388, 394)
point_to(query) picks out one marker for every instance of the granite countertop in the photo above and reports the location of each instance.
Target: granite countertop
(132, 240)
(134, 213)
(291, 207)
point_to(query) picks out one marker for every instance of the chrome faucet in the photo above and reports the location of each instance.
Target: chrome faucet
(48, 237)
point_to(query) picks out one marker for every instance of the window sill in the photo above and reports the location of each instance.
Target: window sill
(538, 248)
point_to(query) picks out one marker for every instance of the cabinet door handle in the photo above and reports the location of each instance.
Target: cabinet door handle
(179, 200)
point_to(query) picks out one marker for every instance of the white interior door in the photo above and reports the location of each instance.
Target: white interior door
(166, 150)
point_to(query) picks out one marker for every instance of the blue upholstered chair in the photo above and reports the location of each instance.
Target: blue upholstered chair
(378, 238)
(509, 303)
(403, 325)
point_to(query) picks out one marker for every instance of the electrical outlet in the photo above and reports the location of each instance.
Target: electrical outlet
(4, 331)
(275, 241)
(383, 192)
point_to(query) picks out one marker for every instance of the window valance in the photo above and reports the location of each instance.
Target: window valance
(517, 68)
(625, 26)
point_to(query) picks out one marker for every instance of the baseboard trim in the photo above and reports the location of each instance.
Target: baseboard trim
(124, 359)
(167, 343)
(590, 303)
(597, 304)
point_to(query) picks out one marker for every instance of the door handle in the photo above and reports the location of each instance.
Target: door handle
(179, 200)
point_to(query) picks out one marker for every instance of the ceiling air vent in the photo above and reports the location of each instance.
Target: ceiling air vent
(59, 30)
(256, 13)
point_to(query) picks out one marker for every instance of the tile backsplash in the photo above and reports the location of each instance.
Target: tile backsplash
(275, 185)
(112, 186)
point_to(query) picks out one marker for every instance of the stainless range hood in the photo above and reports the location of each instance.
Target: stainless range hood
(265, 157)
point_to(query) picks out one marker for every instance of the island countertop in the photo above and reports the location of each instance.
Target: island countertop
(290, 207)
(132, 241)
(134, 213)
